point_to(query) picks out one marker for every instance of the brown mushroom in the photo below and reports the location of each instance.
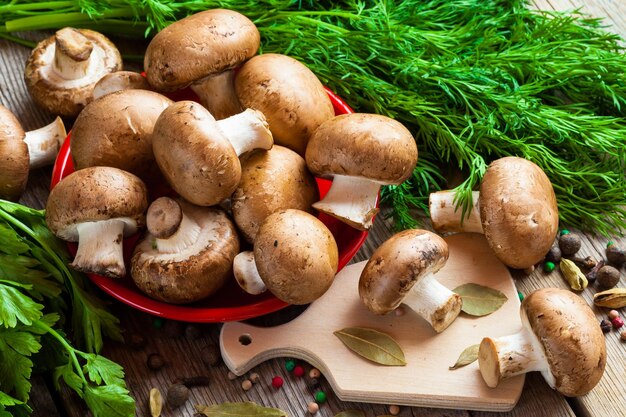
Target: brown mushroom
(201, 50)
(120, 80)
(295, 256)
(199, 156)
(361, 152)
(561, 339)
(97, 207)
(288, 93)
(62, 70)
(187, 253)
(402, 270)
(516, 210)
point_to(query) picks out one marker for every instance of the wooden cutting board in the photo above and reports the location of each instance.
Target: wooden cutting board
(425, 380)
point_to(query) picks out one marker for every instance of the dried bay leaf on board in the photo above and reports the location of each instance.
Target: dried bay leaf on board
(351, 413)
(479, 300)
(373, 345)
(469, 355)
(244, 409)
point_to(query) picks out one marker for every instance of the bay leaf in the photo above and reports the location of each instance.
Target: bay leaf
(351, 413)
(373, 345)
(244, 409)
(479, 300)
(469, 355)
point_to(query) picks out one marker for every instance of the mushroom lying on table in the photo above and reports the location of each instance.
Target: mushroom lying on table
(62, 70)
(360, 152)
(402, 270)
(561, 339)
(516, 210)
(97, 207)
(21, 151)
(187, 253)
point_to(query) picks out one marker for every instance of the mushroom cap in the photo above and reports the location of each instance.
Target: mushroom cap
(194, 155)
(288, 93)
(296, 256)
(199, 46)
(116, 130)
(120, 80)
(197, 271)
(93, 194)
(397, 265)
(14, 156)
(518, 211)
(68, 97)
(572, 339)
(362, 145)
(163, 217)
(272, 180)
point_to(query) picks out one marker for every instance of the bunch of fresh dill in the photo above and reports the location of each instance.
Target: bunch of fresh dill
(474, 80)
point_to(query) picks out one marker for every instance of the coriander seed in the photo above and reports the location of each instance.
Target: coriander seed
(612, 314)
(623, 336)
(607, 276)
(314, 373)
(254, 377)
(569, 244)
(313, 407)
(394, 410)
(246, 384)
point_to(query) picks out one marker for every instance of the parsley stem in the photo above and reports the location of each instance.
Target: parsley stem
(70, 350)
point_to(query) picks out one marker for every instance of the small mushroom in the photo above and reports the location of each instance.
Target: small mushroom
(97, 207)
(21, 151)
(62, 70)
(187, 253)
(295, 256)
(201, 50)
(560, 338)
(515, 209)
(273, 180)
(289, 95)
(120, 80)
(116, 130)
(199, 156)
(361, 152)
(402, 270)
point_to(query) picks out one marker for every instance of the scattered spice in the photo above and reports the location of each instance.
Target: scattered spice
(254, 377)
(277, 382)
(314, 384)
(529, 270)
(593, 274)
(608, 276)
(615, 254)
(246, 384)
(613, 298)
(174, 329)
(394, 410)
(177, 395)
(617, 322)
(314, 373)
(554, 254)
(210, 355)
(194, 381)
(586, 263)
(623, 336)
(605, 325)
(313, 407)
(612, 314)
(574, 276)
(136, 341)
(193, 332)
(155, 361)
(569, 244)
(548, 266)
(320, 396)
(290, 364)
(231, 376)
(298, 371)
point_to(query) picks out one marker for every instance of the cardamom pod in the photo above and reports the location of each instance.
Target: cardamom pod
(574, 276)
(156, 402)
(613, 298)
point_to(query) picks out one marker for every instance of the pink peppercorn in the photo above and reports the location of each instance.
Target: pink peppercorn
(617, 322)
(298, 371)
(277, 382)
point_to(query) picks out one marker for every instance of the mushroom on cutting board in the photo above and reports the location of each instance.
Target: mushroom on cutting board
(199, 156)
(289, 95)
(116, 130)
(97, 207)
(21, 151)
(62, 70)
(561, 339)
(187, 253)
(273, 180)
(120, 80)
(516, 209)
(402, 270)
(360, 152)
(201, 50)
(294, 255)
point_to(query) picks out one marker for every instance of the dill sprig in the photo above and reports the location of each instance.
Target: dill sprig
(474, 80)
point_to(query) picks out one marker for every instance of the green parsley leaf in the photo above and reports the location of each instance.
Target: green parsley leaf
(16, 347)
(99, 369)
(23, 269)
(109, 401)
(16, 306)
(70, 377)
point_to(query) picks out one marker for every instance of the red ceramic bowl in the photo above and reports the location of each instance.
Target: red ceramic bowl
(230, 303)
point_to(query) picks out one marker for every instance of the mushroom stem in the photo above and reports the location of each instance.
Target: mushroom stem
(186, 235)
(72, 54)
(217, 94)
(246, 273)
(352, 200)
(44, 143)
(246, 131)
(446, 217)
(100, 248)
(434, 302)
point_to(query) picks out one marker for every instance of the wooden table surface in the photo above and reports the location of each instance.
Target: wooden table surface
(182, 351)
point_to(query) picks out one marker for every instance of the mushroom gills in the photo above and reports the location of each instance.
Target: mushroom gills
(246, 273)
(246, 131)
(44, 143)
(447, 217)
(352, 200)
(72, 53)
(217, 94)
(186, 235)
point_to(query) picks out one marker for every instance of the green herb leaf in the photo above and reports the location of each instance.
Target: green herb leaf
(16, 306)
(469, 355)
(479, 300)
(245, 409)
(351, 413)
(100, 369)
(16, 347)
(109, 401)
(70, 377)
(373, 345)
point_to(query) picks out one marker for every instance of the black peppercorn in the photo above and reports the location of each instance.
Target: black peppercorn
(569, 244)
(615, 255)
(605, 325)
(136, 341)
(607, 276)
(554, 255)
(177, 395)
(155, 361)
(210, 355)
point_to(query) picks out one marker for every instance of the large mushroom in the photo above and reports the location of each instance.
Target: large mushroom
(62, 70)
(201, 50)
(561, 339)
(516, 209)
(402, 270)
(360, 152)
(21, 151)
(295, 257)
(97, 207)
(187, 253)
(288, 93)
(199, 156)
(120, 80)
(274, 180)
